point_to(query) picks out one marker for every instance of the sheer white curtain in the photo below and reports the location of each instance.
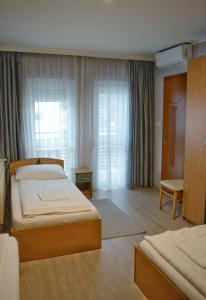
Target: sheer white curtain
(77, 109)
(111, 120)
(50, 107)
(104, 110)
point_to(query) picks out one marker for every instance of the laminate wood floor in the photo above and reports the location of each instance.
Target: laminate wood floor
(105, 274)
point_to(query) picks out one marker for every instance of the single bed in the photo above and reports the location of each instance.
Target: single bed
(172, 265)
(9, 281)
(51, 235)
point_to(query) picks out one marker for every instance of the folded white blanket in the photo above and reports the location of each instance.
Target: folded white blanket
(4, 242)
(32, 205)
(170, 245)
(195, 247)
(56, 195)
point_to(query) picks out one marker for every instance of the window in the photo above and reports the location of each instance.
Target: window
(53, 119)
(112, 133)
(76, 109)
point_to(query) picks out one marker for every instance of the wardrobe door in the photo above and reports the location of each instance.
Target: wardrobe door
(195, 142)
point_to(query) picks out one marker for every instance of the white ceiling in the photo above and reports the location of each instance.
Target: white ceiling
(120, 26)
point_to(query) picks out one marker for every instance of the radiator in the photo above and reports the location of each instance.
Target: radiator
(2, 190)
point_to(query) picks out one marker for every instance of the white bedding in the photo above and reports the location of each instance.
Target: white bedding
(168, 246)
(181, 283)
(10, 282)
(19, 222)
(193, 244)
(40, 197)
(4, 243)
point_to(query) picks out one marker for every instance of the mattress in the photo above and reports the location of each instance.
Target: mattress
(12, 280)
(19, 222)
(182, 284)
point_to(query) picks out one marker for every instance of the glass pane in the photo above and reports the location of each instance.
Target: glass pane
(54, 119)
(112, 134)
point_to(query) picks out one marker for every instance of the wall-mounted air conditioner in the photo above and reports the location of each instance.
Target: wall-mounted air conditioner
(177, 55)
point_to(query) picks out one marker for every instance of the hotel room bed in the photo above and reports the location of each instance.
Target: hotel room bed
(19, 222)
(43, 236)
(172, 265)
(10, 281)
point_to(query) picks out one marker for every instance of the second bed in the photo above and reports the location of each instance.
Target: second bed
(172, 265)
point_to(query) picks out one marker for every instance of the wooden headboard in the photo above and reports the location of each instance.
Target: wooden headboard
(33, 161)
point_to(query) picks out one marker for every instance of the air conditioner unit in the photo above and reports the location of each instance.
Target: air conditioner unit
(174, 56)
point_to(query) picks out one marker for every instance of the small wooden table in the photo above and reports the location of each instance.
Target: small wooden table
(172, 188)
(82, 178)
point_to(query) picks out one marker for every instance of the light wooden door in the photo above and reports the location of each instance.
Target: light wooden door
(174, 112)
(195, 148)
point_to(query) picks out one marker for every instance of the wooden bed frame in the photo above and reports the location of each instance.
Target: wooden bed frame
(154, 284)
(54, 240)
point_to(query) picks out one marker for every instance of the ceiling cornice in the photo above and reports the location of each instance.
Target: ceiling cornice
(102, 54)
(199, 41)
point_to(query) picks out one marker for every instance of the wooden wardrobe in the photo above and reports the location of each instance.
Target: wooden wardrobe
(195, 143)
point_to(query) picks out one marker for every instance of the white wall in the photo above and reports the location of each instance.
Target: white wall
(198, 50)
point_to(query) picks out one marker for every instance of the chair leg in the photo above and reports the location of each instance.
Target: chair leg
(160, 197)
(174, 206)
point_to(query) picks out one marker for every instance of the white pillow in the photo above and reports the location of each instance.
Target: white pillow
(40, 172)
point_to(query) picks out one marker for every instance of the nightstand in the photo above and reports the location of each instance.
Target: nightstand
(82, 178)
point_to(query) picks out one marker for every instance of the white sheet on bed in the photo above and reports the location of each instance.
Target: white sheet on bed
(9, 280)
(193, 244)
(54, 195)
(19, 222)
(32, 204)
(4, 243)
(167, 245)
(181, 283)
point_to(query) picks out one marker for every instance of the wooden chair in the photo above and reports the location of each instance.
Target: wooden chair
(174, 189)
